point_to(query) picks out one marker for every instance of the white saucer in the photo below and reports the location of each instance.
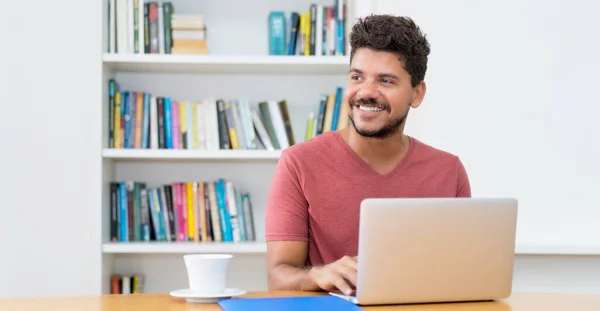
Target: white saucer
(194, 297)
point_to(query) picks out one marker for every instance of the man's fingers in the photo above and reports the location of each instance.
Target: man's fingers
(349, 274)
(341, 284)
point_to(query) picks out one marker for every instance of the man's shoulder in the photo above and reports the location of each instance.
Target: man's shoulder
(428, 152)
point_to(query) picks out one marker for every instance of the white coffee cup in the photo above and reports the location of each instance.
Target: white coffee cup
(207, 273)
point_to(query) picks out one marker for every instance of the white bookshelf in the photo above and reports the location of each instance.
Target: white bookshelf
(228, 63)
(237, 67)
(184, 248)
(163, 154)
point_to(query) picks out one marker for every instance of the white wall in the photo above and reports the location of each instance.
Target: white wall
(512, 91)
(49, 95)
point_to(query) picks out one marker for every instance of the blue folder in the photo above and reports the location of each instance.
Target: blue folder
(312, 303)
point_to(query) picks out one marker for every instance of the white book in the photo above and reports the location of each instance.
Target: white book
(200, 125)
(112, 27)
(233, 214)
(247, 123)
(126, 284)
(212, 128)
(122, 26)
(153, 123)
(161, 29)
(262, 131)
(214, 213)
(238, 124)
(319, 31)
(278, 124)
(131, 27)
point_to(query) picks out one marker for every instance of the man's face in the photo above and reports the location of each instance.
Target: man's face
(379, 93)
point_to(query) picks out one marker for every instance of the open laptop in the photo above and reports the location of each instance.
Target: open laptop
(428, 250)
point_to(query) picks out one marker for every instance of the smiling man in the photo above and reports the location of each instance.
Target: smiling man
(312, 213)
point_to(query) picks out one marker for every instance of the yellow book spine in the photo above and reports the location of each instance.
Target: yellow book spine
(201, 194)
(139, 109)
(195, 209)
(135, 285)
(231, 127)
(343, 117)
(309, 126)
(329, 113)
(117, 119)
(190, 208)
(307, 33)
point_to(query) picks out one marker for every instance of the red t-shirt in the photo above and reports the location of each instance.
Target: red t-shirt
(319, 184)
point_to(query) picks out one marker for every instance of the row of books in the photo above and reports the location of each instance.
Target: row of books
(319, 31)
(332, 115)
(127, 284)
(140, 27)
(191, 211)
(141, 120)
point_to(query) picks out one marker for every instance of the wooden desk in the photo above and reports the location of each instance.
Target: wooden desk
(164, 302)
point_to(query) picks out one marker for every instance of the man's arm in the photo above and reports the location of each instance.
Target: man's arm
(287, 271)
(463, 183)
(287, 235)
(286, 265)
(286, 227)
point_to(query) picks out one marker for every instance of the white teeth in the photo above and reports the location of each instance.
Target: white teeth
(369, 108)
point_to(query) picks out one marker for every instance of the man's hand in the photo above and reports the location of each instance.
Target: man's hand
(340, 274)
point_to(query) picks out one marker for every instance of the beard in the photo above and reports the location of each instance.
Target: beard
(389, 128)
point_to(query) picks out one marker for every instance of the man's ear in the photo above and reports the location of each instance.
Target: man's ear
(418, 94)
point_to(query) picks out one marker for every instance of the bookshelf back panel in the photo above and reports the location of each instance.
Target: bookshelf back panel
(302, 93)
(241, 27)
(253, 177)
(166, 272)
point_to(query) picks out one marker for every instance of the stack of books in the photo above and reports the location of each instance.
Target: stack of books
(189, 34)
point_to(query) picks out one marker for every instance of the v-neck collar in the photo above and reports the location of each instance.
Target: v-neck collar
(367, 168)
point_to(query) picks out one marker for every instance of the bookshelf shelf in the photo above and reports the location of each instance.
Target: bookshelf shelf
(266, 64)
(176, 154)
(183, 247)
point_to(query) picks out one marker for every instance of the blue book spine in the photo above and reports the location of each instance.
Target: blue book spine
(153, 213)
(123, 212)
(340, 36)
(126, 118)
(294, 24)
(336, 108)
(277, 33)
(146, 121)
(160, 210)
(168, 123)
(223, 213)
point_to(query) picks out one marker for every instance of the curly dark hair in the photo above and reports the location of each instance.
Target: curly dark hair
(396, 34)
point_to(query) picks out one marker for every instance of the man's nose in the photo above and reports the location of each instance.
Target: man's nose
(368, 90)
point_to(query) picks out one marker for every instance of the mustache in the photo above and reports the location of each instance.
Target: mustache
(370, 102)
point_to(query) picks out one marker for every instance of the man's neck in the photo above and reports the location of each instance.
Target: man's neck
(375, 150)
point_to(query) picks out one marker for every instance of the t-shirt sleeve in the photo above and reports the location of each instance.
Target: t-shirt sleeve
(463, 184)
(286, 216)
